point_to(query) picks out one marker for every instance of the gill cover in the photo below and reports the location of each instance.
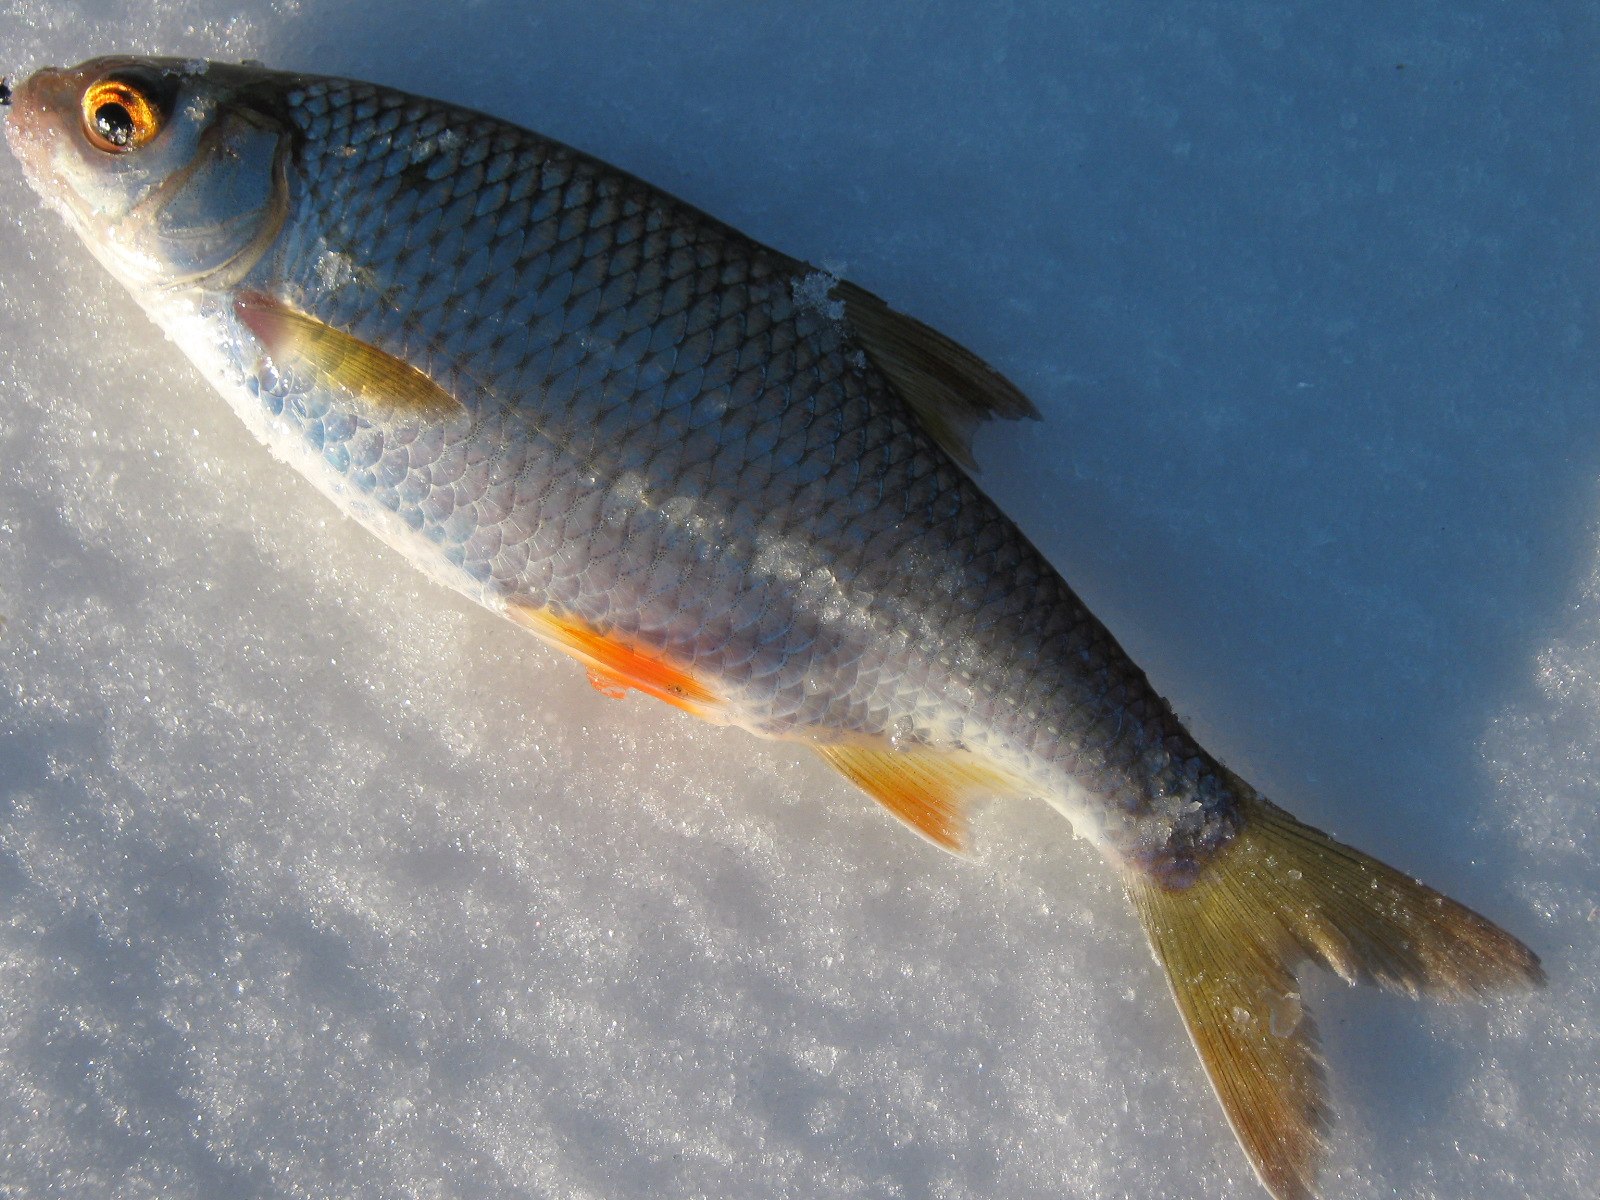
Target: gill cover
(213, 216)
(173, 174)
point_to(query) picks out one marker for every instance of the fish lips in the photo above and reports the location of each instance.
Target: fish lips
(35, 118)
(45, 130)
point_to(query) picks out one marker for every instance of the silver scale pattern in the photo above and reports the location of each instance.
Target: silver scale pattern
(661, 440)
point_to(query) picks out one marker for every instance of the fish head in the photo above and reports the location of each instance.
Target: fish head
(171, 171)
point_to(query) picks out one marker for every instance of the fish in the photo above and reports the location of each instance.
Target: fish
(722, 478)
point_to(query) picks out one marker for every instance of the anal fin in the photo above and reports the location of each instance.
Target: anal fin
(927, 788)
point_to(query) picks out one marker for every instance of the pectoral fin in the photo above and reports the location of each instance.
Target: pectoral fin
(379, 383)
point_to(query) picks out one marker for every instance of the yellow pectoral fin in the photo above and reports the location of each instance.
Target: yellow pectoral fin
(382, 385)
(927, 788)
(616, 665)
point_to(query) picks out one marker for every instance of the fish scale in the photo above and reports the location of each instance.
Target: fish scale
(722, 479)
(605, 264)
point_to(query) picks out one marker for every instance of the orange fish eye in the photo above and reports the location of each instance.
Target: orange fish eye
(119, 116)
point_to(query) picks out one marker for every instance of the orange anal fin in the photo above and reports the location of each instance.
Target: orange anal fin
(927, 788)
(615, 666)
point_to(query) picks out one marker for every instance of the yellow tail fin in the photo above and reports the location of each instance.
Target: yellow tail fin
(1282, 893)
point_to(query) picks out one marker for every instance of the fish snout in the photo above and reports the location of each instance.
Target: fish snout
(36, 115)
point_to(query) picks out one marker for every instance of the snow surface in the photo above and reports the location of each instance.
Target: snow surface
(323, 884)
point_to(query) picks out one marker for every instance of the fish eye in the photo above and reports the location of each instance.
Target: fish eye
(119, 116)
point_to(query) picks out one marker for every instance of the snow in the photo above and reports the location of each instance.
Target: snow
(316, 882)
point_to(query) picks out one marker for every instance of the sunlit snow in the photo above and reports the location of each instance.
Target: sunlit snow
(315, 881)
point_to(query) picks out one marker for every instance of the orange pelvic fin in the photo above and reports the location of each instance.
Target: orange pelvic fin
(615, 665)
(927, 788)
(608, 686)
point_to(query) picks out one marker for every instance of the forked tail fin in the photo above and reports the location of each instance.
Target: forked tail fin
(1279, 894)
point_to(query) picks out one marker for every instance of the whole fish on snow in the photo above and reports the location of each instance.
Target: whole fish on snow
(718, 477)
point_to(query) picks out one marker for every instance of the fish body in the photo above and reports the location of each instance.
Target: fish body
(716, 476)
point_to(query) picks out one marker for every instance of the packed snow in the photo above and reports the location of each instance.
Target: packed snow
(315, 881)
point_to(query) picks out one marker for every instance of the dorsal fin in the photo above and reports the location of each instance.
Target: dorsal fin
(927, 788)
(381, 385)
(951, 389)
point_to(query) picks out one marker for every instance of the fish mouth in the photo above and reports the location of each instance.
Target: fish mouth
(196, 203)
(44, 124)
(35, 119)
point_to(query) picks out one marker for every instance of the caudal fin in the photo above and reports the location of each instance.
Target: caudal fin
(1282, 893)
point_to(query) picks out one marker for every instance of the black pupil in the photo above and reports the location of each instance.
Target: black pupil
(114, 123)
